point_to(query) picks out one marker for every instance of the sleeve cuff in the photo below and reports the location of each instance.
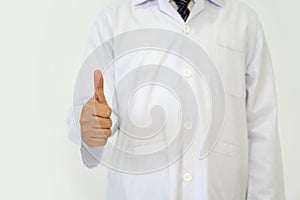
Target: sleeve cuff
(91, 156)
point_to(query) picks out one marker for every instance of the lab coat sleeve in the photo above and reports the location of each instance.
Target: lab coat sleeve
(84, 90)
(265, 180)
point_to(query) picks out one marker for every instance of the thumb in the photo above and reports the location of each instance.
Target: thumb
(99, 83)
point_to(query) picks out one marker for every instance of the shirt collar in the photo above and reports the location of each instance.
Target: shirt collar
(220, 3)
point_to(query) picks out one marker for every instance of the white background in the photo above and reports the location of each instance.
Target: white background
(41, 46)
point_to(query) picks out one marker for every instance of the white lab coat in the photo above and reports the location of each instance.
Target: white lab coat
(246, 161)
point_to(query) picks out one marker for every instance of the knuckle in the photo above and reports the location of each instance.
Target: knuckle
(109, 122)
(108, 133)
(108, 111)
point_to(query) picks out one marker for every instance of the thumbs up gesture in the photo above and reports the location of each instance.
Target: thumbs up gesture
(95, 116)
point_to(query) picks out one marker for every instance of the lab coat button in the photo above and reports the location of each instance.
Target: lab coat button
(187, 72)
(186, 29)
(187, 177)
(188, 125)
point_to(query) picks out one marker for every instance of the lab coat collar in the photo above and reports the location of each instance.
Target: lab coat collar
(220, 3)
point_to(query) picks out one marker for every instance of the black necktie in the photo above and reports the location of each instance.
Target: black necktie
(183, 8)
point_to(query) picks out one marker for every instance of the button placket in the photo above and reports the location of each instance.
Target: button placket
(187, 72)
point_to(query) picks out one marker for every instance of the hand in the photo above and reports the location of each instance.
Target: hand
(95, 116)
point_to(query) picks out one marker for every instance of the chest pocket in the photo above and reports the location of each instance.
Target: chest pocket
(230, 56)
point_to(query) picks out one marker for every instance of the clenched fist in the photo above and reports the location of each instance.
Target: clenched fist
(95, 116)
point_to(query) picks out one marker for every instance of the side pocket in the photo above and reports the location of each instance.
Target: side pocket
(224, 173)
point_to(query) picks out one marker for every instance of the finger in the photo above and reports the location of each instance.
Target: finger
(96, 122)
(99, 85)
(94, 142)
(101, 110)
(100, 133)
(103, 123)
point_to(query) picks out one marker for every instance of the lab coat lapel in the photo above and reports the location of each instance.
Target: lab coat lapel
(197, 8)
(167, 8)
